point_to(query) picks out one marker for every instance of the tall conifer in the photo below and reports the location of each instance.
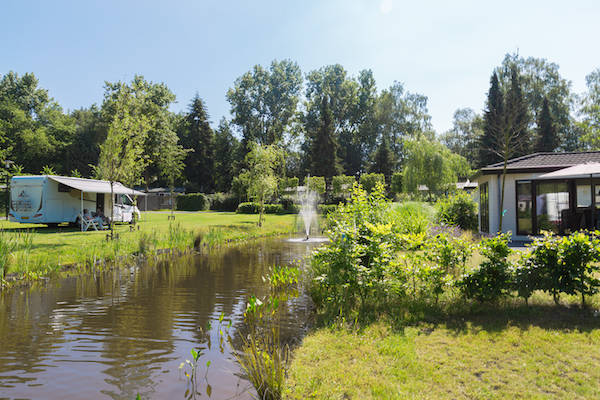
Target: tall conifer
(493, 117)
(325, 161)
(547, 140)
(383, 160)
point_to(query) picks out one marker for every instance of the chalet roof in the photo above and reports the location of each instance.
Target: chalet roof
(543, 162)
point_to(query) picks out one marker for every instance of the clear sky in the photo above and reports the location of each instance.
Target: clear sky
(445, 50)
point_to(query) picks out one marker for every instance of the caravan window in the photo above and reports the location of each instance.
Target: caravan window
(123, 199)
(524, 208)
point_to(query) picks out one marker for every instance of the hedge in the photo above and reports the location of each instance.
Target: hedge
(223, 201)
(326, 209)
(192, 202)
(342, 185)
(368, 181)
(253, 208)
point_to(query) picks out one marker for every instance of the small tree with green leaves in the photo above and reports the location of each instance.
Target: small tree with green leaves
(122, 153)
(171, 164)
(262, 162)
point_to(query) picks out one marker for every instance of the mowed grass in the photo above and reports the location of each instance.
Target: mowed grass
(52, 248)
(542, 351)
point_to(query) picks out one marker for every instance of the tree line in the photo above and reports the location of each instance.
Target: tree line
(325, 122)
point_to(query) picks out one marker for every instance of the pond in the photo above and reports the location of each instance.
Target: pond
(119, 333)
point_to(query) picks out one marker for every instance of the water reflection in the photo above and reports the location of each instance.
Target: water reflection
(117, 334)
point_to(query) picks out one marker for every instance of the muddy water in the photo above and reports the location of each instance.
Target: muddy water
(117, 334)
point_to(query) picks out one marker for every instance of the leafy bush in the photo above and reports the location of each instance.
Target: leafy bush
(369, 181)
(342, 185)
(223, 201)
(458, 209)
(192, 202)
(289, 207)
(254, 208)
(579, 254)
(316, 183)
(292, 183)
(326, 209)
(349, 273)
(493, 278)
(396, 183)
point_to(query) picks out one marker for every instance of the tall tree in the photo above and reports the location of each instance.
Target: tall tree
(590, 111)
(493, 122)
(323, 149)
(509, 136)
(154, 100)
(226, 147)
(264, 101)
(547, 140)
(465, 135)
(541, 79)
(402, 115)
(122, 153)
(196, 134)
(383, 160)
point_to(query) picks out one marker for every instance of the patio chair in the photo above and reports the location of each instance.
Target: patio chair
(86, 223)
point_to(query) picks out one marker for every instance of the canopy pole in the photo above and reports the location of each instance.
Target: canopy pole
(81, 215)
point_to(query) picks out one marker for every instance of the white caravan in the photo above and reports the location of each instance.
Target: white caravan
(51, 200)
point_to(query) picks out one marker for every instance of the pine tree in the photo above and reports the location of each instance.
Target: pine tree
(196, 134)
(547, 140)
(226, 146)
(493, 117)
(383, 160)
(324, 147)
(517, 140)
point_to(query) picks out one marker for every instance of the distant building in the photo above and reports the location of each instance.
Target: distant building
(158, 198)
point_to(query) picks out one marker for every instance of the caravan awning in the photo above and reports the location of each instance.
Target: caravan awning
(95, 186)
(586, 170)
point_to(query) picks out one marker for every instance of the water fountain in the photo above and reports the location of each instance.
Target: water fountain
(308, 199)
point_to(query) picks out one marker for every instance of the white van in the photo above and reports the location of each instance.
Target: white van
(51, 200)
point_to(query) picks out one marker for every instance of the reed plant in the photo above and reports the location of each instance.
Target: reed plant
(7, 246)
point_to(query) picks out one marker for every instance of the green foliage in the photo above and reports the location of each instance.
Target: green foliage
(262, 162)
(370, 181)
(560, 265)
(316, 183)
(450, 253)
(431, 164)
(342, 185)
(413, 217)
(493, 278)
(47, 170)
(459, 209)
(324, 145)
(396, 183)
(289, 183)
(193, 202)
(349, 273)
(254, 208)
(223, 201)
(326, 209)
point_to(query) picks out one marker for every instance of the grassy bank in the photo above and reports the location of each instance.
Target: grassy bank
(542, 351)
(39, 250)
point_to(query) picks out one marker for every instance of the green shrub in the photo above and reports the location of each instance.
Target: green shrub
(223, 201)
(316, 183)
(579, 255)
(368, 181)
(291, 183)
(326, 209)
(342, 185)
(493, 278)
(396, 183)
(192, 202)
(254, 208)
(351, 272)
(458, 209)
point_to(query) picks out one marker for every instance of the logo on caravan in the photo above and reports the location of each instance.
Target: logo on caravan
(23, 203)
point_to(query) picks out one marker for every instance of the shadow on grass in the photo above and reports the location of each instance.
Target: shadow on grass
(463, 317)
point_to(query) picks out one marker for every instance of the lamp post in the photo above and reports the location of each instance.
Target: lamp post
(7, 165)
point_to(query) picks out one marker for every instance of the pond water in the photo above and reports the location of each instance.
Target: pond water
(120, 333)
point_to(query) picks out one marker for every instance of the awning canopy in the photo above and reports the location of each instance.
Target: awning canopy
(586, 170)
(95, 186)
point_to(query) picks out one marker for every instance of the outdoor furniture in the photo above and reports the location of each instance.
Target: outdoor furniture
(86, 223)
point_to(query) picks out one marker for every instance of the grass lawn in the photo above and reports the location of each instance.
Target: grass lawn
(41, 249)
(539, 352)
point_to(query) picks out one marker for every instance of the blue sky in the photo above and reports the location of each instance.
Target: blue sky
(445, 50)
